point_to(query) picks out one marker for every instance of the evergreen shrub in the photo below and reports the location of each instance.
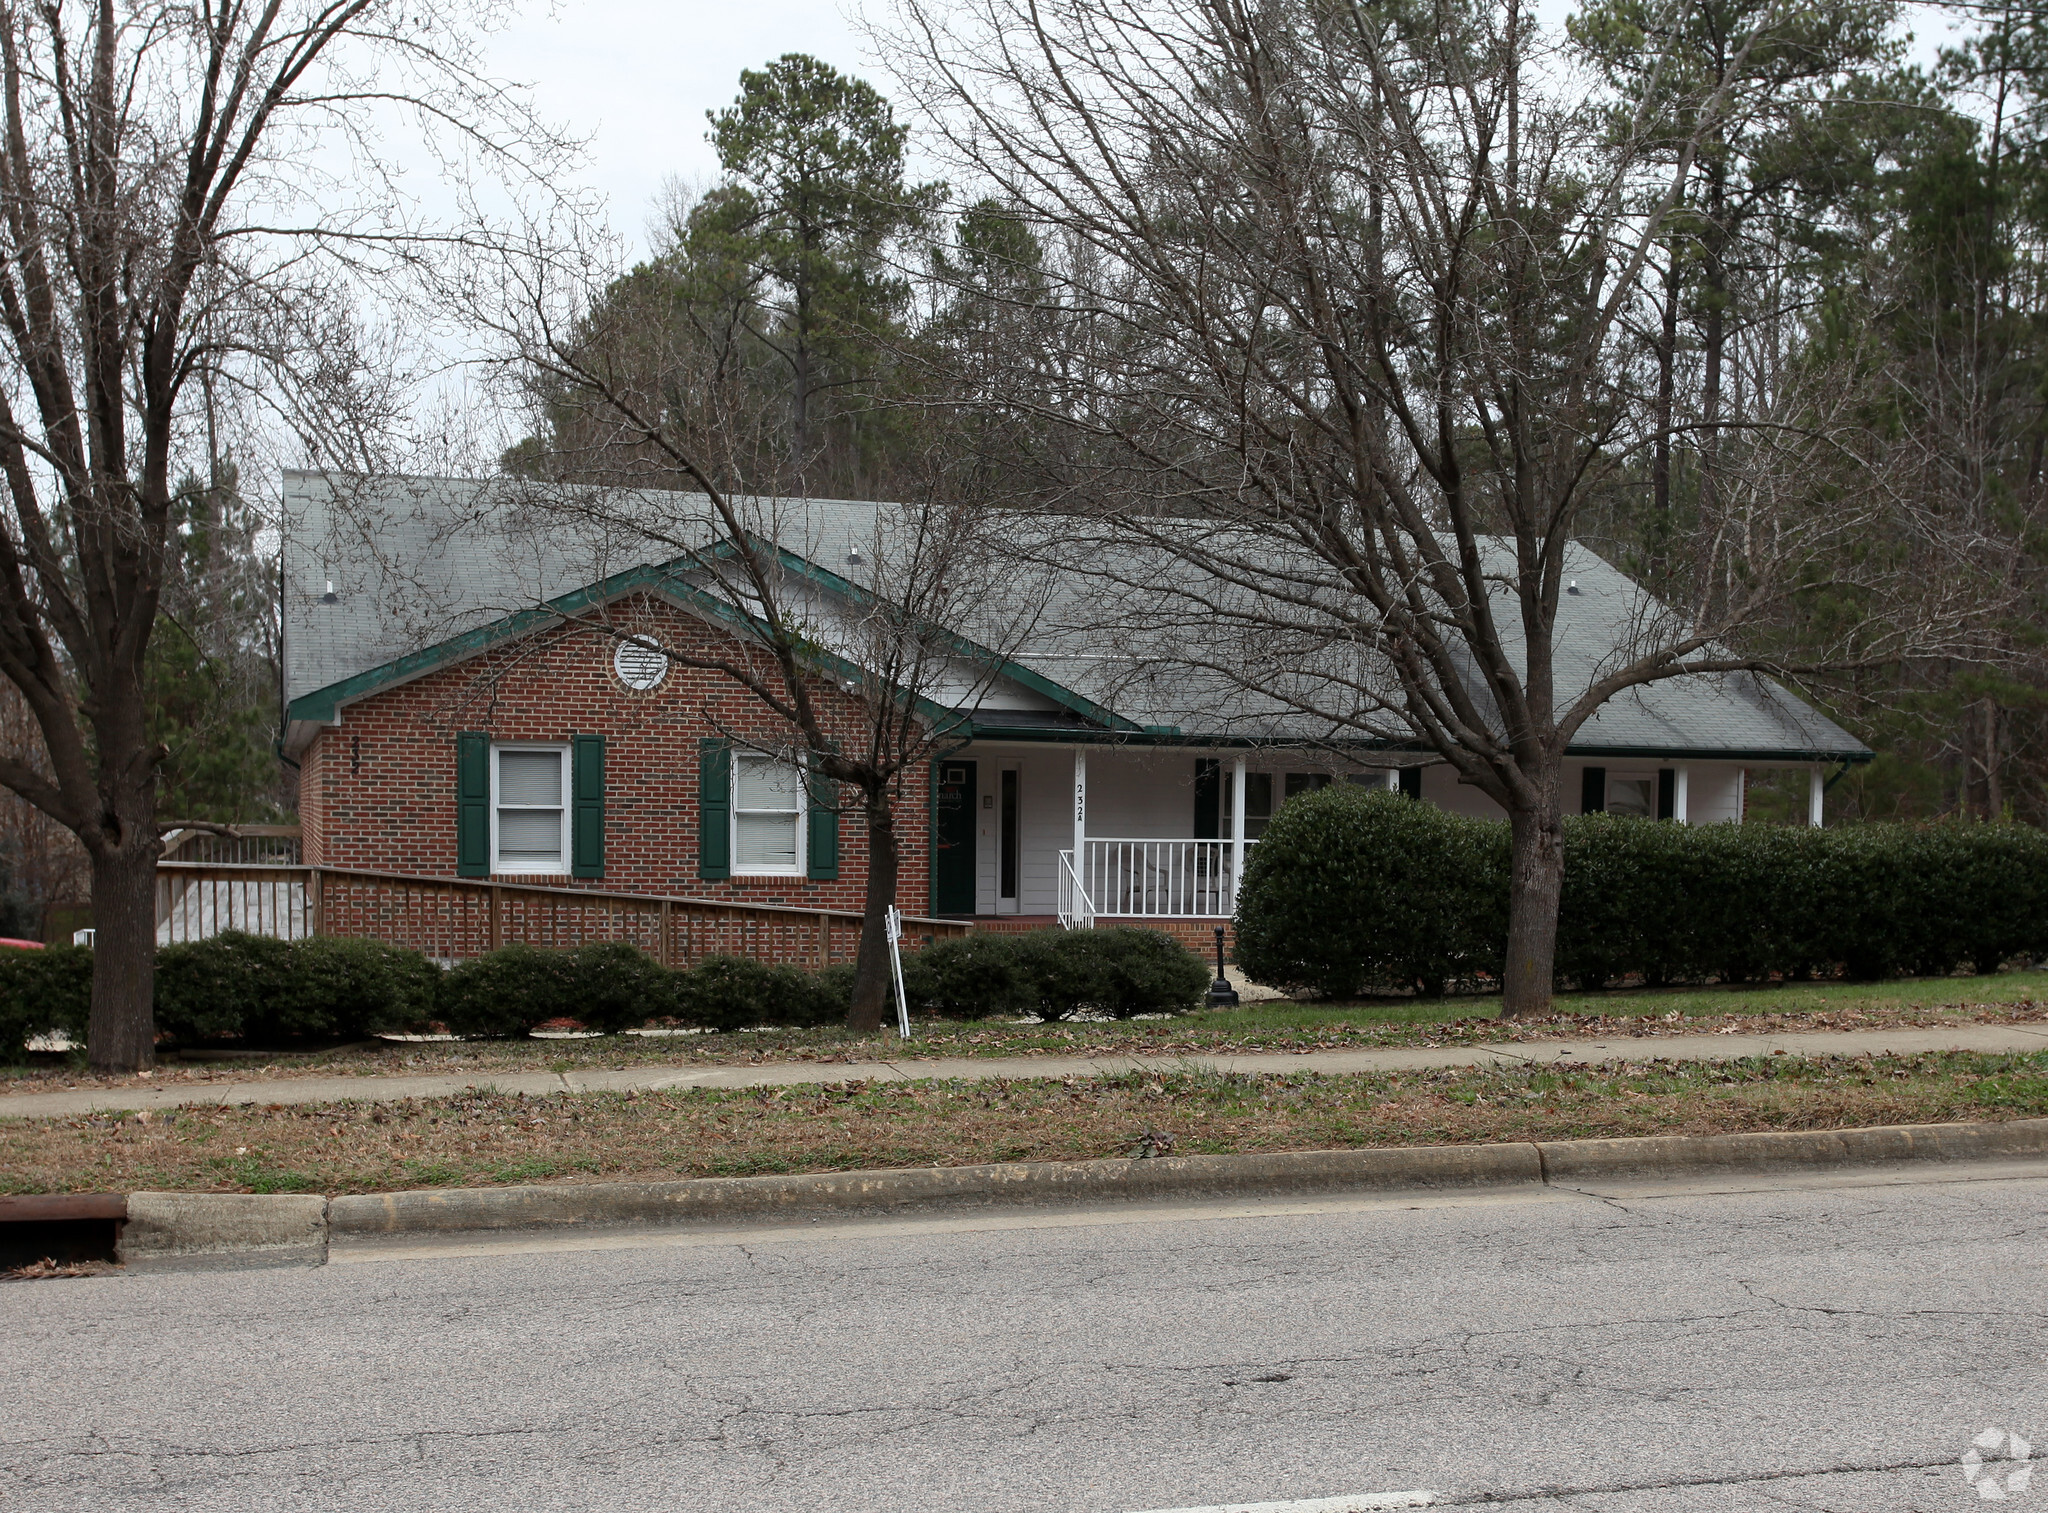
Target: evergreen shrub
(218, 988)
(973, 976)
(734, 993)
(614, 987)
(346, 988)
(1055, 974)
(268, 991)
(1352, 889)
(507, 992)
(43, 992)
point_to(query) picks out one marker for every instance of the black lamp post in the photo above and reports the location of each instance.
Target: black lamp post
(1221, 994)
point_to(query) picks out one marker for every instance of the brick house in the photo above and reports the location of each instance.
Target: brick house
(448, 717)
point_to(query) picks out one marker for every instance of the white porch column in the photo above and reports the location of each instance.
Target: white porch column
(1680, 793)
(1236, 830)
(1081, 814)
(1816, 791)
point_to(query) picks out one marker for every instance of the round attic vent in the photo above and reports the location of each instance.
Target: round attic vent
(640, 667)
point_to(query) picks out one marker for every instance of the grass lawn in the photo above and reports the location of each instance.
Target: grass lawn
(486, 1138)
(1272, 1026)
(1871, 999)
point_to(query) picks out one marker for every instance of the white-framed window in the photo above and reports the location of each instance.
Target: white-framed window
(1632, 793)
(1258, 803)
(767, 816)
(529, 809)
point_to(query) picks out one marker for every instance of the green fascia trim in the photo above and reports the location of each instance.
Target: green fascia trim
(1670, 754)
(1037, 682)
(983, 731)
(324, 704)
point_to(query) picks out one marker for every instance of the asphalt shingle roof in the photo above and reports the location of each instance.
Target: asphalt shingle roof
(416, 562)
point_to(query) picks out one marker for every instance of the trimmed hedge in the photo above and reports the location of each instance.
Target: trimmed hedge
(970, 977)
(1055, 974)
(42, 992)
(613, 987)
(1351, 889)
(268, 991)
(217, 988)
(736, 993)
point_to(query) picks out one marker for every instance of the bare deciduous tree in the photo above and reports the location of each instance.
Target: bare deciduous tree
(665, 452)
(192, 197)
(1349, 317)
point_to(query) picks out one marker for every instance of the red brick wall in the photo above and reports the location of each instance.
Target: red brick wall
(378, 790)
(312, 808)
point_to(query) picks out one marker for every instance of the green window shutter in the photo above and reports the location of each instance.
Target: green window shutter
(823, 830)
(1593, 791)
(472, 804)
(714, 809)
(586, 795)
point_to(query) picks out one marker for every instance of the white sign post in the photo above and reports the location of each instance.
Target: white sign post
(895, 928)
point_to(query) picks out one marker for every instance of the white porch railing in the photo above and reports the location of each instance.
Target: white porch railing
(1153, 879)
(1076, 911)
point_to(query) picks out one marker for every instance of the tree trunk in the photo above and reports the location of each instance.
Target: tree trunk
(873, 981)
(1714, 356)
(1994, 791)
(1667, 368)
(1536, 882)
(121, 1036)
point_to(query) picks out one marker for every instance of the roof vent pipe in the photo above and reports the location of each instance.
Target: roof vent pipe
(330, 597)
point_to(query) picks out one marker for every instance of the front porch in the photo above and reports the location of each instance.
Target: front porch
(1032, 834)
(1029, 835)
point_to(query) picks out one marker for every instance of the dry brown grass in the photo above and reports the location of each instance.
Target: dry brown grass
(488, 1138)
(2013, 997)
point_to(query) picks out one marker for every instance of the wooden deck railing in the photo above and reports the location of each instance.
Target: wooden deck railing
(452, 918)
(268, 845)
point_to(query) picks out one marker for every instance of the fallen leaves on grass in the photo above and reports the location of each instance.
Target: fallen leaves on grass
(486, 1138)
(2011, 998)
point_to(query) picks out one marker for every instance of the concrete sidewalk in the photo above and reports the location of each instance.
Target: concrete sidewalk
(1991, 1038)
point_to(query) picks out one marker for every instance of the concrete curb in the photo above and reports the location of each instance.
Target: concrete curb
(170, 1230)
(179, 1231)
(1570, 1162)
(942, 1187)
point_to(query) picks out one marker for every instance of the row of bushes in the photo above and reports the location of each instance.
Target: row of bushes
(1054, 974)
(269, 992)
(1351, 889)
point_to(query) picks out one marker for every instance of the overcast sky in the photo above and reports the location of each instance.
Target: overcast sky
(637, 76)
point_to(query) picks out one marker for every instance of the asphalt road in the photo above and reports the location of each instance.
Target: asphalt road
(1820, 1348)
